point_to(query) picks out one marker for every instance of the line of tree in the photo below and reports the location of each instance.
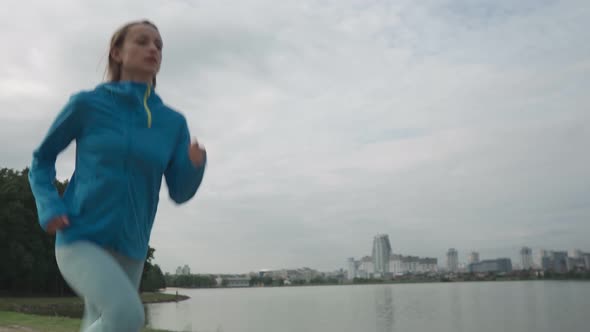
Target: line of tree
(27, 255)
(190, 281)
(269, 281)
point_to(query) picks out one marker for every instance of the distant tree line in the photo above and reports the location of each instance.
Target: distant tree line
(571, 275)
(190, 281)
(266, 281)
(27, 255)
(209, 281)
(269, 281)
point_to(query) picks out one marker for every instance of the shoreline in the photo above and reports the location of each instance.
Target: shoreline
(71, 306)
(400, 282)
(21, 322)
(59, 314)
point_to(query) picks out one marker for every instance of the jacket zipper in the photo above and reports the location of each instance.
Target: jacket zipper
(145, 105)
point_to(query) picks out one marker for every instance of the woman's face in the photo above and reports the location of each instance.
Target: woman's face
(141, 52)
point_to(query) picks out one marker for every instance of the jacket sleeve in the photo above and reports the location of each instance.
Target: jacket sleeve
(65, 128)
(182, 177)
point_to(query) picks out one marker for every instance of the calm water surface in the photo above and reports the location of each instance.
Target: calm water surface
(539, 306)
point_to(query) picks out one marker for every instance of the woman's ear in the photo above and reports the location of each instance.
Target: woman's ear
(116, 55)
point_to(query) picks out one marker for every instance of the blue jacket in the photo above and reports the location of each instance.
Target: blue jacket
(126, 141)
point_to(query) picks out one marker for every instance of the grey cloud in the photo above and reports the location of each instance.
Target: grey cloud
(443, 124)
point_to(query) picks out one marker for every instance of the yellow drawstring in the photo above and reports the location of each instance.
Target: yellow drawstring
(145, 105)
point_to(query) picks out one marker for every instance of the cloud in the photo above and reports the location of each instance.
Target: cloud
(442, 123)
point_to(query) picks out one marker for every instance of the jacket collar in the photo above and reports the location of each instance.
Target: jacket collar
(133, 90)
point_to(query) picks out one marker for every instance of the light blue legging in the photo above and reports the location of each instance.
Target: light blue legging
(108, 282)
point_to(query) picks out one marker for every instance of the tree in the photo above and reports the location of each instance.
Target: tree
(267, 281)
(27, 264)
(153, 279)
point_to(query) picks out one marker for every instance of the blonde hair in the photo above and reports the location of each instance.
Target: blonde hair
(117, 40)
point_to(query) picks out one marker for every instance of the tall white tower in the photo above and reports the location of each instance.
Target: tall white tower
(452, 260)
(351, 264)
(381, 254)
(526, 258)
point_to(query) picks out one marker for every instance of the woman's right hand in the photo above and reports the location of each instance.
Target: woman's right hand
(57, 223)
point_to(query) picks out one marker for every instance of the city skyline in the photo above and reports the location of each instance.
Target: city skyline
(464, 257)
(546, 258)
(463, 260)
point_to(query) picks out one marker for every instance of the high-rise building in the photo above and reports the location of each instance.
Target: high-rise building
(365, 268)
(492, 265)
(541, 254)
(351, 264)
(526, 258)
(399, 264)
(183, 270)
(452, 260)
(556, 261)
(576, 253)
(473, 257)
(381, 253)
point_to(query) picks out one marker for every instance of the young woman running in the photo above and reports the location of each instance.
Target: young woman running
(127, 140)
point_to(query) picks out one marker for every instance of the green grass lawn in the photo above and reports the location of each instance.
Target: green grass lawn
(41, 323)
(47, 313)
(45, 323)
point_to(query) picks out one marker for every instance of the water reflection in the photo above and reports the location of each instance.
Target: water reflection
(179, 315)
(455, 307)
(384, 309)
(447, 307)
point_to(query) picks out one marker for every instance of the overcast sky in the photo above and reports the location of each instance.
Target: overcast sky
(444, 124)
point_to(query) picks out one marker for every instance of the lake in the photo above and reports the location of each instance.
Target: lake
(527, 306)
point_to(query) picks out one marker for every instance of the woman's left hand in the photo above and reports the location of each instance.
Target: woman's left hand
(196, 154)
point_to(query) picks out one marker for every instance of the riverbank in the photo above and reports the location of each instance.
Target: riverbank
(409, 280)
(19, 322)
(56, 314)
(71, 307)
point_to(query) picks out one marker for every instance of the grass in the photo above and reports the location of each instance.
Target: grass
(161, 297)
(67, 306)
(41, 323)
(45, 323)
(57, 314)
